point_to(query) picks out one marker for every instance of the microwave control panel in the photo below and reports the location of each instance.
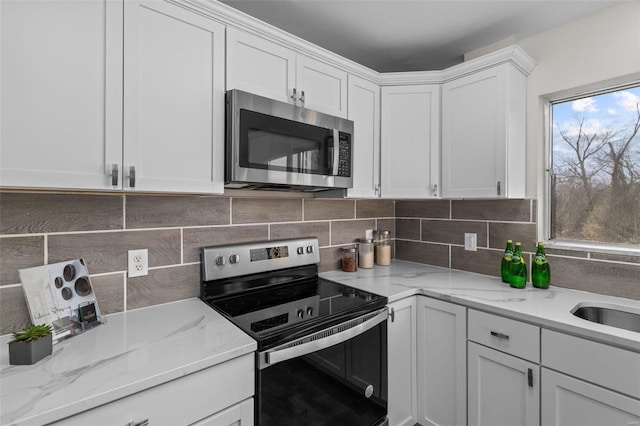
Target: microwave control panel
(344, 162)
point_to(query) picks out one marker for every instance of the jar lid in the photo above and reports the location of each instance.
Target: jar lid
(349, 249)
(384, 232)
(367, 241)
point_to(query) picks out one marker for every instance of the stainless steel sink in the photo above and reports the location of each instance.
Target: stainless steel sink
(618, 316)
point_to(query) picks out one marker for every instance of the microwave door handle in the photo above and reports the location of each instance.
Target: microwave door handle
(336, 152)
(278, 355)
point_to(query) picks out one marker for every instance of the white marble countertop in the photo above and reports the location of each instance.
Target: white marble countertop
(131, 352)
(549, 308)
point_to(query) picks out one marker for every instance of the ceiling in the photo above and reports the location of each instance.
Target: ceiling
(418, 35)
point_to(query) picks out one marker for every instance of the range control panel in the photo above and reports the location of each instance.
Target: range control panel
(234, 260)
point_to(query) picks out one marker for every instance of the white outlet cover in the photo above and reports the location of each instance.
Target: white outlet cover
(138, 263)
(471, 242)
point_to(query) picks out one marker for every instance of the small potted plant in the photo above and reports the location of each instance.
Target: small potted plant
(30, 345)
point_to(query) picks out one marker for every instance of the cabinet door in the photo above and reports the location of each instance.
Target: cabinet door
(182, 401)
(410, 141)
(503, 389)
(61, 85)
(402, 388)
(258, 66)
(483, 134)
(321, 87)
(442, 361)
(238, 415)
(567, 401)
(364, 111)
(174, 99)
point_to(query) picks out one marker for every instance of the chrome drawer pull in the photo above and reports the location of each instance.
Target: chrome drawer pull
(500, 335)
(144, 422)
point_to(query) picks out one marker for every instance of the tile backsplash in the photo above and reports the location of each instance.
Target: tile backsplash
(39, 228)
(432, 232)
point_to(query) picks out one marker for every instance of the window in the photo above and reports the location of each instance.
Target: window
(594, 184)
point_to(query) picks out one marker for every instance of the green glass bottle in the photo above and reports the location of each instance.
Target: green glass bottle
(540, 273)
(518, 268)
(506, 261)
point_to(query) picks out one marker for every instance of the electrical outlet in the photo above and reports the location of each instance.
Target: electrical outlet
(138, 262)
(471, 242)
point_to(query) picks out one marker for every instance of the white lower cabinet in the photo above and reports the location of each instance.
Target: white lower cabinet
(503, 390)
(238, 415)
(588, 383)
(221, 395)
(503, 370)
(567, 401)
(402, 361)
(442, 362)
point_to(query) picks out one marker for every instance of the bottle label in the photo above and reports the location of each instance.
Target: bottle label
(507, 257)
(540, 260)
(522, 259)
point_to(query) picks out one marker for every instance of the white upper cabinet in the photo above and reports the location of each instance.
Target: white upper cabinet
(483, 134)
(69, 120)
(364, 111)
(174, 99)
(410, 141)
(61, 86)
(265, 68)
(258, 66)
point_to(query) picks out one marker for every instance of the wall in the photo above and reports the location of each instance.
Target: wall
(37, 229)
(596, 51)
(432, 232)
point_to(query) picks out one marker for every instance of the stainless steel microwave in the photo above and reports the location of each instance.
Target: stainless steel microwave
(276, 145)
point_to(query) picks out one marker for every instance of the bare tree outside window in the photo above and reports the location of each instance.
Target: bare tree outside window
(595, 188)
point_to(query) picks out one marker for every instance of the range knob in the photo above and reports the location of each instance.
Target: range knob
(234, 258)
(220, 260)
(310, 249)
(300, 313)
(309, 311)
(300, 250)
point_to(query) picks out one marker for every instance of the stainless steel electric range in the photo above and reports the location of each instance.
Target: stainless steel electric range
(322, 346)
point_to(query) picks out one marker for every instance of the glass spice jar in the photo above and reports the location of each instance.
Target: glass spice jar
(349, 259)
(365, 254)
(383, 248)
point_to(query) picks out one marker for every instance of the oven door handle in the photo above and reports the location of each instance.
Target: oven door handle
(313, 343)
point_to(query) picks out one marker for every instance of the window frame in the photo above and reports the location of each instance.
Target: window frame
(568, 244)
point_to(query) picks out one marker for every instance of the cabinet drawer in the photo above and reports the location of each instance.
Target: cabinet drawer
(181, 401)
(506, 335)
(604, 365)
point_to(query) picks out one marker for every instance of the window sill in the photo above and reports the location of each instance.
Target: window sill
(583, 246)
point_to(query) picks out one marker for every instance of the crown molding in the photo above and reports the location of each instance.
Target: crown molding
(229, 16)
(240, 20)
(513, 54)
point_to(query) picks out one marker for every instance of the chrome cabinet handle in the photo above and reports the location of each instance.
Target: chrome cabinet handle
(498, 188)
(132, 176)
(294, 97)
(392, 314)
(302, 98)
(114, 175)
(144, 422)
(530, 377)
(500, 335)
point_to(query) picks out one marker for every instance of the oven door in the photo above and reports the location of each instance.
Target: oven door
(337, 376)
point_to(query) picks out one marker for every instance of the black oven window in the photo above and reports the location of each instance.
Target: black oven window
(268, 142)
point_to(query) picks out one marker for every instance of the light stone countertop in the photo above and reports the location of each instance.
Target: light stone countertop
(131, 352)
(549, 308)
